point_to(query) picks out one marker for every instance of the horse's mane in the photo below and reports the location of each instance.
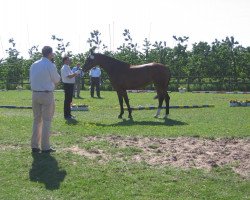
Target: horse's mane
(114, 61)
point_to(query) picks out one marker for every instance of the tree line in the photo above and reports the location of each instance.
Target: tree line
(223, 64)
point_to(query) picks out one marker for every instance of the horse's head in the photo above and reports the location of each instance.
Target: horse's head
(91, 61)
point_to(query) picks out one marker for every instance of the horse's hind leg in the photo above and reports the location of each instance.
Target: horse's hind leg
(160, 100)
(167, 98)
(128, 106)
(120, 97)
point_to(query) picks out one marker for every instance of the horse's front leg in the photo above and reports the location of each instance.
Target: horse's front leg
(120, 97)
(128, 106)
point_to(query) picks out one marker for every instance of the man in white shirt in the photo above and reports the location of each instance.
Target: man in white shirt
(78, 80)
(43, 78)
(95, 74)
(68, 79)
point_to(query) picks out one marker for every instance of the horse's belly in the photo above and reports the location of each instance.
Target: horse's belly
(137, 83)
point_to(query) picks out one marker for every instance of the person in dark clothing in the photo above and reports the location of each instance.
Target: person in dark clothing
(68, 79)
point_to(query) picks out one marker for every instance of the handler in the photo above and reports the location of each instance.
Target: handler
(68, 79)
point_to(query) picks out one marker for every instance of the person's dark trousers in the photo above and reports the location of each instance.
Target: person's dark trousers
(68, 96)
(95, 83)
(83, 82)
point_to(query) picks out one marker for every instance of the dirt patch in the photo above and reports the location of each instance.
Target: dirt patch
(9, 147)
(184, 152)
(92, 153)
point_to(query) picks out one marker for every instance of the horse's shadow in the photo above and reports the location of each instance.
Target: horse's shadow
(132, 122)
(45, 170)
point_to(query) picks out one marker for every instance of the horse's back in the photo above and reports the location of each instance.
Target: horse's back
(138, 76)
(154, 69)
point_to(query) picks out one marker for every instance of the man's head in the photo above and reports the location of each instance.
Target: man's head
(47, 52)
(66, 60)
(78, 65)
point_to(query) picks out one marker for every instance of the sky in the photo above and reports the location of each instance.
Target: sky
(33, 22)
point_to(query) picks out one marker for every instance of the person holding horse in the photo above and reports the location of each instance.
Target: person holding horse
(68, 79)
(95, 75)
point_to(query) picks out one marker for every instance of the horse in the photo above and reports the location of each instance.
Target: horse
(124, 76)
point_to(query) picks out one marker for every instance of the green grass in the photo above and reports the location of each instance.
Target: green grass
(64, 175)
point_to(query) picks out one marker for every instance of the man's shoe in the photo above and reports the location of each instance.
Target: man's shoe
(49, 151)
(72, 116)
(68, 118)
(35, 150)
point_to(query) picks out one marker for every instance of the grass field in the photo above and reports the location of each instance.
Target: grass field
(65, 175)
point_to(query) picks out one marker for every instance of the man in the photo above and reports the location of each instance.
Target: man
(78, 81)
(43, 78)
(68, 79)
(95, 74)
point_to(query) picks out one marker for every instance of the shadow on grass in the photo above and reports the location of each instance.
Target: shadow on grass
(164, 122)
(45, 170)
(71, 122)
(97, 97)
(131, 122)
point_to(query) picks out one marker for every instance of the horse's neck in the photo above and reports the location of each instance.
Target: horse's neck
(108, 64)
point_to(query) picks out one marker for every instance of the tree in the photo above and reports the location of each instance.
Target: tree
(12, 67)
(128, 50)
(180, 58)
(231, 43)
(199, 61)
(146, 49)
(95, 41)
(61, 50)
(218, 61)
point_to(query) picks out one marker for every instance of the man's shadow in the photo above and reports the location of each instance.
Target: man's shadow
(45, 170)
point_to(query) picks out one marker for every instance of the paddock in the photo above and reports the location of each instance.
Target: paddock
(194, 149)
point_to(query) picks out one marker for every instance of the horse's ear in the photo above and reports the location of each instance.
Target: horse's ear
(91, 51)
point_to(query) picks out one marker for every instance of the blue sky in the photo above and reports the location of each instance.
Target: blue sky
(32, 22)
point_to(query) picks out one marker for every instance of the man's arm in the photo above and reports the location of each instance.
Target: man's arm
(54, 74)
(74, 74)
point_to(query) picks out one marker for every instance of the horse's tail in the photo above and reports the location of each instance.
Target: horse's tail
(168, 77)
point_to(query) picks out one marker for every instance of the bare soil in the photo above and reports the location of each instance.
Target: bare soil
(183, 152)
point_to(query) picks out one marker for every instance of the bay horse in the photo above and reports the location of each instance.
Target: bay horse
(124, 76)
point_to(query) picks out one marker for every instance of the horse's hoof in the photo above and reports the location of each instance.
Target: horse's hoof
(165, 116)
(130, 117)
(120, 117)
(156, 116)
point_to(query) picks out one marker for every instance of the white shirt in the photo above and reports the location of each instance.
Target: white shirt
(43, 75)
(95, 72)
(65, 72)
